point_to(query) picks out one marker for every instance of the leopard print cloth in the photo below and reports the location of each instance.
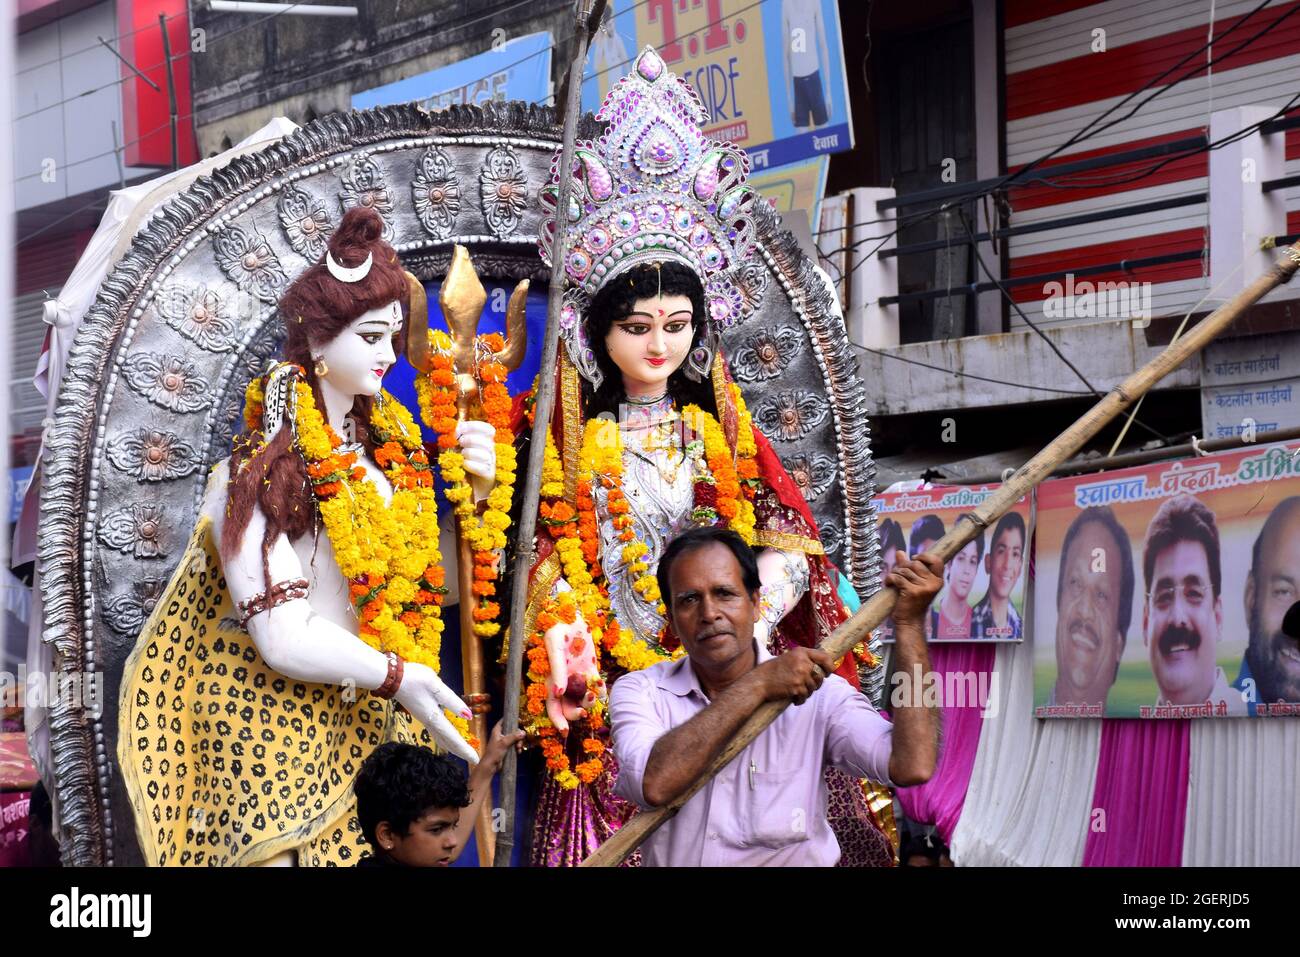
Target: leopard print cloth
(227, 762)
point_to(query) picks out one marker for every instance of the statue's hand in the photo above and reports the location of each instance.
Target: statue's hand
(575, 683)
(424, 695)
(478, 445)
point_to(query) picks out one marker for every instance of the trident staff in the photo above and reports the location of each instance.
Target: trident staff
(878, 607)
(462, 298)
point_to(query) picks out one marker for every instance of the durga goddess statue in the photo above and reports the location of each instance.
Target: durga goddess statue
(651, 436)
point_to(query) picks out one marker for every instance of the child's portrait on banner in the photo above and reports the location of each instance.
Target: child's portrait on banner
(985, 583)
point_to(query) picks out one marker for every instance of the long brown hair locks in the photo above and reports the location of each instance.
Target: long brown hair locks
(314, 309)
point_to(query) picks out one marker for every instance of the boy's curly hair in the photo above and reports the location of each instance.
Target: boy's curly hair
(399, 782)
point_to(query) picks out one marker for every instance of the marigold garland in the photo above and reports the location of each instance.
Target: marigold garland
(387, 551)
(730, 498)
(437, 393)
(723, 491)
(254, 404)
(562, 608)
(725, 485)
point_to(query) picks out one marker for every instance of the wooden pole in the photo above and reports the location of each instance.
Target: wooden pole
(875, 610)
(544, 405)
(171, 91)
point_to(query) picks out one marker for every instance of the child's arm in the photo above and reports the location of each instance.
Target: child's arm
(480, 781)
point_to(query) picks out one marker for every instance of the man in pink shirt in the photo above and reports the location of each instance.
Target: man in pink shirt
(768, 806)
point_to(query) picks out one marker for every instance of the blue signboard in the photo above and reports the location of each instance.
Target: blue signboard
(519, 69)
(18, 481)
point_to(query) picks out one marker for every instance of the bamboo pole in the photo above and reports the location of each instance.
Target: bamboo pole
(875, 610)
(544, 405)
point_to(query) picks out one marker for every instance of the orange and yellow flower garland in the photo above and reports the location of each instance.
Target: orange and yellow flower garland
(723, 492)
(387, 551)
(437, 394)
(563, 608)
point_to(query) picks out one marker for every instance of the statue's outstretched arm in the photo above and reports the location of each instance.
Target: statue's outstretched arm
(574, 684)
(299, 643)
(784, 575)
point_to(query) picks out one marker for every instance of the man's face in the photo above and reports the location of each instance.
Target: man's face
(961, 570)
(1003, 563)
(1271, 589)
(924, 546)
(1088, 642)
(1181, 619)
(711, 611)
(430, 841)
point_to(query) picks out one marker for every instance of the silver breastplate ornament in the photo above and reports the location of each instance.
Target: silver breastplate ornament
(658, 483)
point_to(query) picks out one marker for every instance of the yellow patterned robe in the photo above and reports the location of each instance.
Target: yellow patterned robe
(227, 762)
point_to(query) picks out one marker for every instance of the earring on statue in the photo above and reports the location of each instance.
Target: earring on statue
(700, 363)
(320, 368)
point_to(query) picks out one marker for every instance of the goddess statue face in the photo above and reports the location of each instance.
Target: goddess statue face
(357, 358)
(651, 343)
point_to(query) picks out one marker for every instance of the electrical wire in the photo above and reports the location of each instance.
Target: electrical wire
(76, 212)
(207, 43)
(1230, 138)
(1088, 133)
(114, 150)
(1177, 333)
(1132, 419)
(93, 46)
(969, 375)
(1034, 326)
(211, 41)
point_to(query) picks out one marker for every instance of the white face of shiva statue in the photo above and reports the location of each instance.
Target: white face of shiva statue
(357, 358)
(651, 343)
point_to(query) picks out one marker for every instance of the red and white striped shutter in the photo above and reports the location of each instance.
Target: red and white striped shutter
(1055, 84)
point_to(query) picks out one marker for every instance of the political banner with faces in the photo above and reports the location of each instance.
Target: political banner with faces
(1160, 590)
(983, 596)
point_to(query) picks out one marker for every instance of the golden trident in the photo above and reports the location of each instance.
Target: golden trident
(462, 298)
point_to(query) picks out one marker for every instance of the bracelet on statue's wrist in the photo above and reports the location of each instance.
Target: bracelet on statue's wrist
(393, 680)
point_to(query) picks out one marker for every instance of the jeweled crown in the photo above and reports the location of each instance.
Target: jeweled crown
(652, 188)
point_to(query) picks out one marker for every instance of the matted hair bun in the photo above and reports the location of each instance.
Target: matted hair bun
(356, 235)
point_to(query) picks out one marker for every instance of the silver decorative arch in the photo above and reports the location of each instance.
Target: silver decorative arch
(155, 378)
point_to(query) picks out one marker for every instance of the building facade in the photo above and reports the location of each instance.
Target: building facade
(1163, 142)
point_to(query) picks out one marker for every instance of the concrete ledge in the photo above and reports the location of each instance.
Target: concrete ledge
(1105, 352)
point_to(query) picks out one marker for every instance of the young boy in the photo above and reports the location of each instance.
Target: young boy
(416, 808)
